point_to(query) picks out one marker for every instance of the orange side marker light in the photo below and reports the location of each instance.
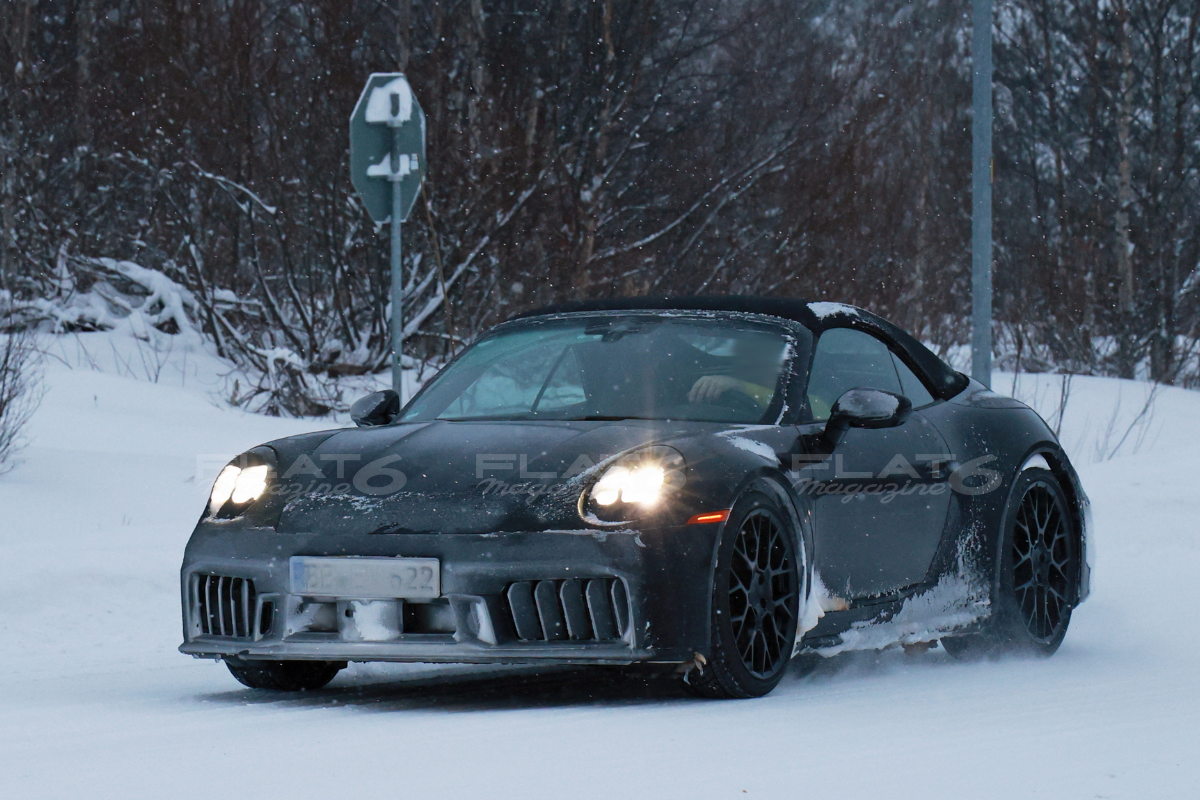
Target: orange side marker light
(711, 516)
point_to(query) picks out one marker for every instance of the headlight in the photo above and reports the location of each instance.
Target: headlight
(251, 483)
(634, 484)
(223, 489)
(640, 484)
(239, 485)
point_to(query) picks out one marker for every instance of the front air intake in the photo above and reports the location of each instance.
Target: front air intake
(224, 606)
(595, 610)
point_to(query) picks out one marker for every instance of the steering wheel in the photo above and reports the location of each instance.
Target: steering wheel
(740, 403)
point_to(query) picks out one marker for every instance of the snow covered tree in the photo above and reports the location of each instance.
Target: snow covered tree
(612, 147)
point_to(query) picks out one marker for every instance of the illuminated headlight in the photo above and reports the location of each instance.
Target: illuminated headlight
(640, 484)
(636, 483)
(239, 485)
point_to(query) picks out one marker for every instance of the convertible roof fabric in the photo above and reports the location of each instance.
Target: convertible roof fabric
(817, 317)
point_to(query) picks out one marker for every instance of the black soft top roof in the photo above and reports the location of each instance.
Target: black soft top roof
(815, 316)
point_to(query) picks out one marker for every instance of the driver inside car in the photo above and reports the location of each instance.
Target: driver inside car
(756, 364)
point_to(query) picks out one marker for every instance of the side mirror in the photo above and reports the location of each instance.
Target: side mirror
(866, 408)
(377, 408)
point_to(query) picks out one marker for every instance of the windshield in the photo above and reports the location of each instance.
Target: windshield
(617, 366)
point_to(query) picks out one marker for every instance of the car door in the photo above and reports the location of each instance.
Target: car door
(879, 498)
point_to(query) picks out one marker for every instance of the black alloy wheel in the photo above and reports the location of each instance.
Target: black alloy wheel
(1038, 577)
(1042, 563)
(755, 602)
(762, 586)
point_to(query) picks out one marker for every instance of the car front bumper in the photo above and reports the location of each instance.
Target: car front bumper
(562, 597)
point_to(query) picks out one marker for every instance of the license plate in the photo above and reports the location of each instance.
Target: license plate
(366, 578)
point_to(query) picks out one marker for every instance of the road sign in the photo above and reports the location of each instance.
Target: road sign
(387, 164)
(387, 121)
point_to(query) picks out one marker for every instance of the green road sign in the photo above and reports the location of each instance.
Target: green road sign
(387, 143)
(387, 163)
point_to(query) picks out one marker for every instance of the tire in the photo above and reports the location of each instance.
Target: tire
(1038, 574)
(285, 676)
(755, 603)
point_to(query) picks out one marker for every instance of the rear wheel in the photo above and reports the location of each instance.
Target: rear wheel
(1039, 573)
(755, 600)
(285, 676)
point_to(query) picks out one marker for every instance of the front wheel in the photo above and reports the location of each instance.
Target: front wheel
(755, 600)
(285, 676)
(1038, 574)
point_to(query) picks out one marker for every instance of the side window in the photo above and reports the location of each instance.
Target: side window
(848, 359)
(914, 390)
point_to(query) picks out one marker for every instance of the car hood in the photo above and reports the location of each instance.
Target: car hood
(452, 477)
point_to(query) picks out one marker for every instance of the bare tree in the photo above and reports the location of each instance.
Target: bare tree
(20, 392)
(791, 147)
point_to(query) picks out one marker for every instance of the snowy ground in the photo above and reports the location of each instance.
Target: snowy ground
(98, 703)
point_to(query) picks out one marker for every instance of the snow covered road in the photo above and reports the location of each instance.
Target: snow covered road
(98, 703)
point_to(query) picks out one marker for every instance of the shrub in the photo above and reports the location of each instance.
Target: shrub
(20, 391)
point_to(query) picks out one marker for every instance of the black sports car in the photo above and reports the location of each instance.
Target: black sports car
(721, 484)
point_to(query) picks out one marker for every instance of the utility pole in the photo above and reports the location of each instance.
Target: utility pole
(981, 193)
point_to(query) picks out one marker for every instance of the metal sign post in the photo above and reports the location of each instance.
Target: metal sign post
(387, 166)
(981, 194)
